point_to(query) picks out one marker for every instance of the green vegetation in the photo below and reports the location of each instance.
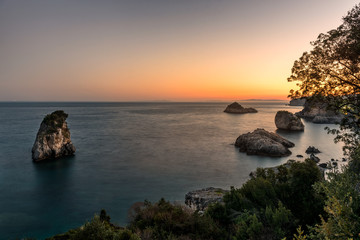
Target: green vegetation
(271, 205)
(98, 228)
(342, 207)
(54, 121)
(331, 72)
(163, 220)
(332, 69)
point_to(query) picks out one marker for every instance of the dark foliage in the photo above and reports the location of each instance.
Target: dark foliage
(163, 220)
(55, 120)
(273, 203)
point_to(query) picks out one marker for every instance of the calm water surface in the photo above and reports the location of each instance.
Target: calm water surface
(128, 152)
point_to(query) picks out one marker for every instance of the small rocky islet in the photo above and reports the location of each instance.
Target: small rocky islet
(53, 139)
(236, 108)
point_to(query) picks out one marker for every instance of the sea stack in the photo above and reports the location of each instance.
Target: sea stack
(288, 121)
(53, 138)
(237, 108)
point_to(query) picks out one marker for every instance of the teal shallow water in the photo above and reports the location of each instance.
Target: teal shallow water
(128, 152)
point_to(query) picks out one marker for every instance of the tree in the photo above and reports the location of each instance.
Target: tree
(332, 70)
(97, 229)
(342, 207)
(332, 67)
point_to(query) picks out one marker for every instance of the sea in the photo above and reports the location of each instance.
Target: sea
(128, 152)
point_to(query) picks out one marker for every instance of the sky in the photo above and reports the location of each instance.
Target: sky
(155, 50)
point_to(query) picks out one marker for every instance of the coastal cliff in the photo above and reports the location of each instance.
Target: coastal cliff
(53, 138)
(319, 111)
(297, 102)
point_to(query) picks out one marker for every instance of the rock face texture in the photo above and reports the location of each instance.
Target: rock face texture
(237, 108)
(297, 102)
(53, 138)
(201, 199)
(262, 142)
(288, 121)
(317, 111)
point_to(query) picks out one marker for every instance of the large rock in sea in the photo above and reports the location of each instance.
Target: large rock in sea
(317, 110)
(262, 142)
(200, 199)
(53, 138)
(288, 121)
(237, 108)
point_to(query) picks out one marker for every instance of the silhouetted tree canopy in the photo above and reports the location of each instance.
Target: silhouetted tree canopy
(332, 70)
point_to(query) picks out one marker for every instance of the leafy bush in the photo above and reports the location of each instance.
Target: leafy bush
(96, 229)
(163, 220)
(275, 201)
(342, 207)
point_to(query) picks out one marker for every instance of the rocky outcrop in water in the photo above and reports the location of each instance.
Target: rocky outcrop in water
(314, 158)
(297, 102)
(312, 149)
(318, 111)
(53, 138)
(201, 199)
(262, 142)
(288, 121)
(237, 108)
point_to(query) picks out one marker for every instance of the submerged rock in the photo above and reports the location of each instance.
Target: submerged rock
(324, 165)
(288, 121)
(201, 199)
(262, 142)
(237, 108)
(53, 138)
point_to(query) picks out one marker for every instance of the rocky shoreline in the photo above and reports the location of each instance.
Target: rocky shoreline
(262, 142)
(200, 200)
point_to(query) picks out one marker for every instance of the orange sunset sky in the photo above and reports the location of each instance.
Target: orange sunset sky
(143, 50)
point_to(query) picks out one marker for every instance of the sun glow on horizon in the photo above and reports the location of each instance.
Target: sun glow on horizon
(127, 51)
